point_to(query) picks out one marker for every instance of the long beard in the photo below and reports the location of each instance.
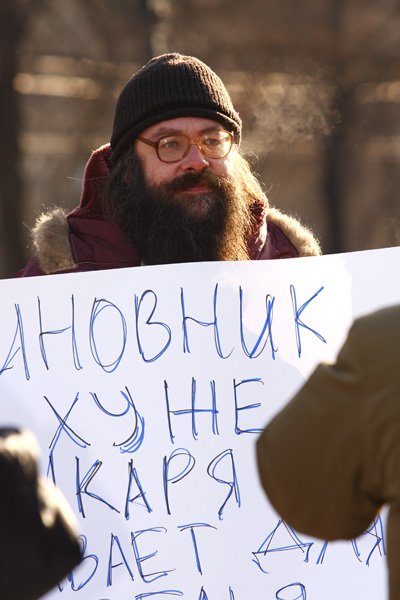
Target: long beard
(167, 225)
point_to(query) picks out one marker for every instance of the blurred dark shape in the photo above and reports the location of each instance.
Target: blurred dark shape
(38, 544)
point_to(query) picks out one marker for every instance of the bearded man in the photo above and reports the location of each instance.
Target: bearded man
(170, 187)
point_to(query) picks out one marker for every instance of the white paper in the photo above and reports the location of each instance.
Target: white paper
(147, 389)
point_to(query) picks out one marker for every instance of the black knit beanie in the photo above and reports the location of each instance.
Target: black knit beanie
(168, 87)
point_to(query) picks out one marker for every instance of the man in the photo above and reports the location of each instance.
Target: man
(171, 186)
(331, 458)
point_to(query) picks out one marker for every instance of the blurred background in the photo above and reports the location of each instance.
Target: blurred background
(316, 82)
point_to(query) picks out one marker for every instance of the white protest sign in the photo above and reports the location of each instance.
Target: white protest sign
(147, 388)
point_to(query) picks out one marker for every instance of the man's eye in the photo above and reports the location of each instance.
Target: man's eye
(170, 143)
(212, 141)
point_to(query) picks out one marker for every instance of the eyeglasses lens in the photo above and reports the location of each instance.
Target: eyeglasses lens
(213, 144)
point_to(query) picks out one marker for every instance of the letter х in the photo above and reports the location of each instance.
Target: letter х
(64, 427)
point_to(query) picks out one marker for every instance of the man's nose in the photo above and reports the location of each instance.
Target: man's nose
(194, 160)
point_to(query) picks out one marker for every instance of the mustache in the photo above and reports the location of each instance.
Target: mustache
(188, 180)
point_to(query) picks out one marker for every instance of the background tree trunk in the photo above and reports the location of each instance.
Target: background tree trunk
(11, 188)
(336, 161)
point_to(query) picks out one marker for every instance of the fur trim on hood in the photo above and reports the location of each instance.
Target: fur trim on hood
(51, 242)
(300, 236)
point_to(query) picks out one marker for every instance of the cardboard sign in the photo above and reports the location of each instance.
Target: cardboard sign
(147, 389)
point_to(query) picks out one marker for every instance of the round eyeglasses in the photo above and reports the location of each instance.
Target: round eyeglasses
(173, 148)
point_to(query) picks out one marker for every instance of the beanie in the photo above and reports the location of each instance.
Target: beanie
(168, 87)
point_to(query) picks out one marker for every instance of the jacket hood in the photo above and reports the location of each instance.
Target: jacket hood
(97, 171)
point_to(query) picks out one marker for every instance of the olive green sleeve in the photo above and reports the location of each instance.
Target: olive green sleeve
(311, 456)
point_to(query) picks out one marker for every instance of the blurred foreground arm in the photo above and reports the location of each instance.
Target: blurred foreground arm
(331, 458)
